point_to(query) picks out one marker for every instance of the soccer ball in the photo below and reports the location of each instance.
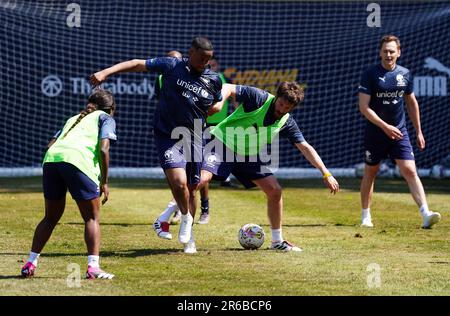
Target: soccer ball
(251, 236)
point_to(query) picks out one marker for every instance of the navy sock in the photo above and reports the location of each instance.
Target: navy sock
(205, 206)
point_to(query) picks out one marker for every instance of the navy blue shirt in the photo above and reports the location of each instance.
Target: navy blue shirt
(386, 89)
(253, 98)
(185, 94)
(106, 128)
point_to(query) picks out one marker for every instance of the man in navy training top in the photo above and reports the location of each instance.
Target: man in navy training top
(381, 93)
(188, 94)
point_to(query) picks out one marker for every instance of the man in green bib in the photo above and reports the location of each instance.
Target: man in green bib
(241, 143)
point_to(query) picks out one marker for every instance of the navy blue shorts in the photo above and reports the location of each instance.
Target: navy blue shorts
(60, 176)
(172, 154)
(378, 146)
(245, 172)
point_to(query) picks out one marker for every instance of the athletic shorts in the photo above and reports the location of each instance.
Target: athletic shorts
(172, 154)
(245, 172)
(378, 147)
(60, 176)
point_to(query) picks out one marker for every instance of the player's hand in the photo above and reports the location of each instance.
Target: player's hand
(105, 191)
(420, 141)
(98, 78)
(332, 184)
(393, 132)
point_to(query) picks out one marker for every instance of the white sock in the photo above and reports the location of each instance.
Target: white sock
(276, 235)
(171, 208)
(94, 261)
(34, 258)
(188, 215)
(365, 213)
(424, 210)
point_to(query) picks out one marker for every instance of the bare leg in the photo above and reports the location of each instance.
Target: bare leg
(206, 177)
(90, 211)
(408, 171)
(272, 189)
(273, 192)
(176, 177)
(367, 183)
(54, 209)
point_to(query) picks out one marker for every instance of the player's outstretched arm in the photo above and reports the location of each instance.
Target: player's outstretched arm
(134, 65)
(313, 157)
(228, 90)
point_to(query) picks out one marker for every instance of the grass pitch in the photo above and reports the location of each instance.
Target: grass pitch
(339, 257)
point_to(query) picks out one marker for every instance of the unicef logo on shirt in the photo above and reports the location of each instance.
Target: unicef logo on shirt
(51, 86)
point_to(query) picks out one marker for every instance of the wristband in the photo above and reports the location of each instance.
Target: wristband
(327, 175)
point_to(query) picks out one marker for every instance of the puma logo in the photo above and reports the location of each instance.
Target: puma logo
(432, 63)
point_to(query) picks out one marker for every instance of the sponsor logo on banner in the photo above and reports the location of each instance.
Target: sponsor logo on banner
(266, 79)
(52, 86)
(432, 86)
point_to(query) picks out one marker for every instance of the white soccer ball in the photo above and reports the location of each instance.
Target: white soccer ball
(437, 172)
(251, 236)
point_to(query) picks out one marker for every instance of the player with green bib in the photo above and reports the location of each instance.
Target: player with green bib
(254, 125)
(77, 160)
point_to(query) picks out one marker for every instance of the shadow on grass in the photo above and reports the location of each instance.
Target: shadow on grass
(6, 277)
(303, 225)
(259, 249)
(110, 224)
(130, 253)
(314, 225)
(242, 249)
